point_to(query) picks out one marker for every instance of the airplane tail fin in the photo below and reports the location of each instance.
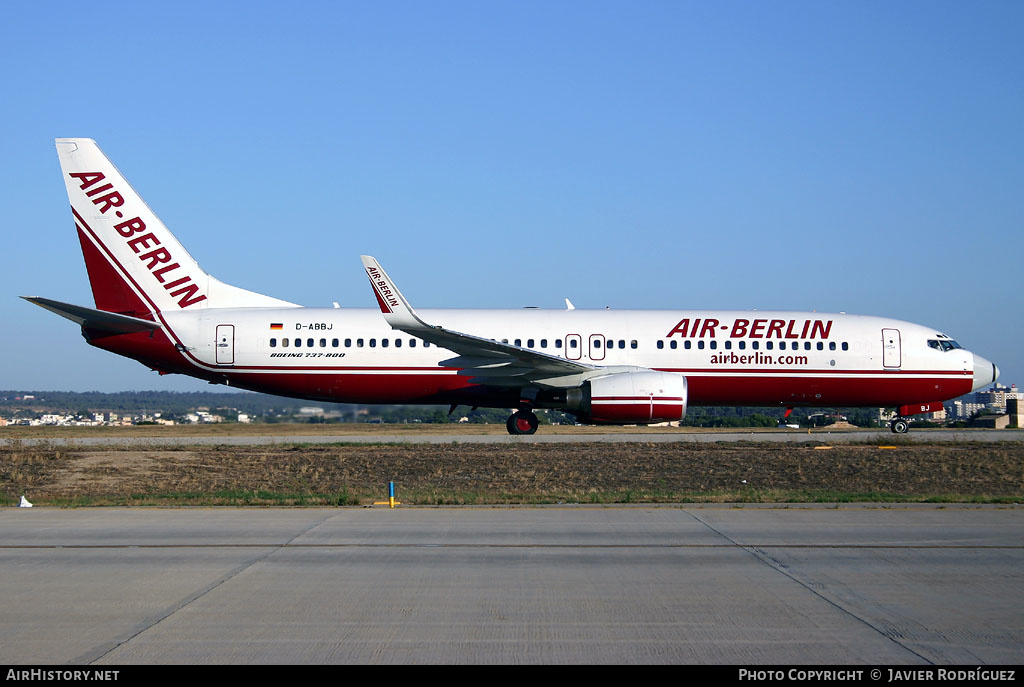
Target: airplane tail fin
(136, 266)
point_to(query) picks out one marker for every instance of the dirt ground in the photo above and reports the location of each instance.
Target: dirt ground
(499, 473)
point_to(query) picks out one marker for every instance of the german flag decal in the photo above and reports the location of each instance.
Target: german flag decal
(276, 325)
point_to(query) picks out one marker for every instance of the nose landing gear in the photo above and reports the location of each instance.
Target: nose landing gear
(899, 426)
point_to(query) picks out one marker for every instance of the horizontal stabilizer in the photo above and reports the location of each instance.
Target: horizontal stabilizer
(99, 320)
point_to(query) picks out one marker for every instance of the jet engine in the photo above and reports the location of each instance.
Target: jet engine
(626, 398)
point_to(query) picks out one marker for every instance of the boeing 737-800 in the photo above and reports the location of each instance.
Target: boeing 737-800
(154, 303)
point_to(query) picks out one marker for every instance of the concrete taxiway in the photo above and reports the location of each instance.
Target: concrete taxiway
(782, 436)
(671, 584)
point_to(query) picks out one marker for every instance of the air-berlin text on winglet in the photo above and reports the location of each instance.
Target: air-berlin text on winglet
(383, 291)
(105, 198)
(752, 329)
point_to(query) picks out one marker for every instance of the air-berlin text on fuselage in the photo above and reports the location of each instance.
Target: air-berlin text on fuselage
(158, 261)
(698, 328)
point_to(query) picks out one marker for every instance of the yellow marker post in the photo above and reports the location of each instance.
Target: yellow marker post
(391, 502)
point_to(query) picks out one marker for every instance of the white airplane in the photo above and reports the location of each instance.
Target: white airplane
(154, 303)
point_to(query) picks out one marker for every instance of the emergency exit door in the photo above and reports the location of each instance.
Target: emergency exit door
(225, 344)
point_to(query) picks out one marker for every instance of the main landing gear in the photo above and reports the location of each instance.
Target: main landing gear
(900, 425)
(522, 422)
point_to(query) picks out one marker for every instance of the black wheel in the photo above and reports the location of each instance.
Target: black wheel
(900, 426)
(522, 422)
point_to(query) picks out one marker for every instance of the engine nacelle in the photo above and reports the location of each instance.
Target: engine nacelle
(627, 398)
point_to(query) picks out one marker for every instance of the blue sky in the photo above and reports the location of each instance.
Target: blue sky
(865, 157)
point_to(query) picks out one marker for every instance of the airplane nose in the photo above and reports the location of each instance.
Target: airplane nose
(985, 373)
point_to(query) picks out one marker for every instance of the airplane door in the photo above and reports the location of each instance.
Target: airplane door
(891, 350)
(573, 346)
(597, 345)
(225, 344)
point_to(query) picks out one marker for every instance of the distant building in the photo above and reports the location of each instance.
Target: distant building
(993, 421)
(996, 397)
(964, 410)
(1015, 411)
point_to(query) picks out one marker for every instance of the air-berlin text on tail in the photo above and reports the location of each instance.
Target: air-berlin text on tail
(698, 328)
(158, 261)
(384, 293)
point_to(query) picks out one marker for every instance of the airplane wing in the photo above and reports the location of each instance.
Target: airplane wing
(485, 360)
(97, 320)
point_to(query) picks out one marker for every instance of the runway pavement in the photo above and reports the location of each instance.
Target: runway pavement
(693, 584)
(784, 436)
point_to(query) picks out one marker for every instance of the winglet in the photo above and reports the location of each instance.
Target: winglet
(397, 311)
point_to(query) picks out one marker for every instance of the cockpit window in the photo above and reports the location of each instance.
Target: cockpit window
(943, 345)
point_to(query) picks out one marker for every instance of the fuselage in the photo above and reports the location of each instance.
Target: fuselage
(728, 357)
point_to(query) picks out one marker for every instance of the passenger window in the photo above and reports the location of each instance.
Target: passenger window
(846, 346)
(412, 343)
(728, 345)
(529, 343)
(714, 345)
(334, 343)
(622, 343)
(597, 343)
(755, 345)
(632, 344)
(769, 345)
(348, 343)
(831, 345)
(558, 343)
(284, 343)
(674, 343)
(373, 343)
(572, 343)
(398, 343)
(807, 345)
(298, 343)
(359, 343)
(821, 346)
(519, 342)
(426, 344)
(323, 343)
(743, 345)
(661, 344)
(384, 343)
(686, 345)
(273, 343)
(543, 343)
(700, 344)
(309, 343)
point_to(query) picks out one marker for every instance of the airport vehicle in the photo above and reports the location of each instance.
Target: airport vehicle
(154, 303)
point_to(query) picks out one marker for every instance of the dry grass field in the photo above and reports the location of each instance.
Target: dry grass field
(349, 474)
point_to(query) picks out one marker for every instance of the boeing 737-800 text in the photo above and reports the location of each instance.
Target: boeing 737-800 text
(154, 303)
